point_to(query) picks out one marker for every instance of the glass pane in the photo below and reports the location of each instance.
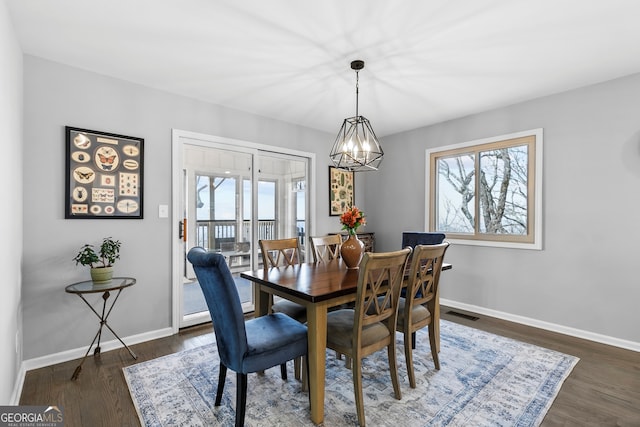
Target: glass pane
(282, 198)
(266, 200)
(246, 206)
(455, 191)
(224, 198)
(202, 198)
(215, 199)
(503, 191)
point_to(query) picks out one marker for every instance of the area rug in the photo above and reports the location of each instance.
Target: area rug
(484, 380)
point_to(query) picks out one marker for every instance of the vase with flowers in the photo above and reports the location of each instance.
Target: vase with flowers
(352, 249)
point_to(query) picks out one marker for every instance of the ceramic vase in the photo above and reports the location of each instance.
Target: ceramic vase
(351, 251)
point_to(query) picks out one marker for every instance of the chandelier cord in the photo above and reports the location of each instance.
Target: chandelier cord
(357, 89)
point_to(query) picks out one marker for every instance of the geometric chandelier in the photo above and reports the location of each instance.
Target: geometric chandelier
(356, 147)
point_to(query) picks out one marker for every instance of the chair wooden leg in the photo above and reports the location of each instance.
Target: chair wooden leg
(283, 371)
(221, 379)
(241, 398)
(270, 304)
(393, 368)
(357, 388)
(432, 343)
(297, 368)
(413, 340)
(305, 376)
(408, 356)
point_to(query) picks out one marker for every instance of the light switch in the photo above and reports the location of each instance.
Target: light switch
(163, 211)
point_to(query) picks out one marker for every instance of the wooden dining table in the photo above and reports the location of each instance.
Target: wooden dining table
(318, 287)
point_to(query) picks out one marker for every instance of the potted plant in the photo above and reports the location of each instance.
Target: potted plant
(101, 263)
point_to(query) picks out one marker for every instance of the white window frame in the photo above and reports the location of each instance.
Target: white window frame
(477, 239)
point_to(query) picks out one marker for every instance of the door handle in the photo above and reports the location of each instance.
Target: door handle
(182, 229)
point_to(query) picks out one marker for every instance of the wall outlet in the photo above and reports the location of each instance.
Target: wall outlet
(163, 211)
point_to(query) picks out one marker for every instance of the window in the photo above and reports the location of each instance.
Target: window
(488, 192)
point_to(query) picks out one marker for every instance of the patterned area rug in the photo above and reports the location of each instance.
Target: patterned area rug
(484, 380)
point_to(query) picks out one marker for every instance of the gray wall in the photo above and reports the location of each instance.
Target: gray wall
(592, 169)
(58, 95)
(11, 195)
(586, 276)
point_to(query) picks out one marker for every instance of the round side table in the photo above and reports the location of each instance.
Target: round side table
(89, 287)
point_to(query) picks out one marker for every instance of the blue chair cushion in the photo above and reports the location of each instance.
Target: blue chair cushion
(272, 339)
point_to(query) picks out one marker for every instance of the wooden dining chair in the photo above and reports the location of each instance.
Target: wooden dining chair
(279, 253)
(243, 347)
(326, 248)
(417, 309)
(283, 252)
(370, 326)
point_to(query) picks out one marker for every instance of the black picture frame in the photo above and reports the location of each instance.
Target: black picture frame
(104, 175)
(342, 189)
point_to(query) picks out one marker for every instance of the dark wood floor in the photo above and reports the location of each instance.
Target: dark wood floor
(602, 390)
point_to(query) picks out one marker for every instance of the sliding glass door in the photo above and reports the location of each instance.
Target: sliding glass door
(282, 202)
(231, 197)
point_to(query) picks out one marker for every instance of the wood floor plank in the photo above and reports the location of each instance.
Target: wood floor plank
(603, 389)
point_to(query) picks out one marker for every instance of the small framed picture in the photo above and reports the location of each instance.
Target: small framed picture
(341, 190)
(103, 175)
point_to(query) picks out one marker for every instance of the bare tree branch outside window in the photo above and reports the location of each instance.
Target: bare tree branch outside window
(484, 190)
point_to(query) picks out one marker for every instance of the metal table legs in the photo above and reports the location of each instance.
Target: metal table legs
(103, 322)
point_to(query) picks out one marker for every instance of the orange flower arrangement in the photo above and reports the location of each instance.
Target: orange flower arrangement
(352, 219)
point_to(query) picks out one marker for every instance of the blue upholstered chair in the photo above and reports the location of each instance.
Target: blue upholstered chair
(243, 347)
(413, 238)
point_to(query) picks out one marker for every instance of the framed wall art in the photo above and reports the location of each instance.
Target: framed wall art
(103, 175)
(341, 190)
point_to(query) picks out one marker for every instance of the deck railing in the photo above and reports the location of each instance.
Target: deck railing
(213, 234)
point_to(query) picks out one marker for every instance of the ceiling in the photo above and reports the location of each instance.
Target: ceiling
(426, 60)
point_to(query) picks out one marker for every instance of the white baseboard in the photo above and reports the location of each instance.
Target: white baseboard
(76, 353)
(578, 333)
(65, 356)
(17, 389)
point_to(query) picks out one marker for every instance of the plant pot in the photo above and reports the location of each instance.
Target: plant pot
(101, 274)
(351, 251)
